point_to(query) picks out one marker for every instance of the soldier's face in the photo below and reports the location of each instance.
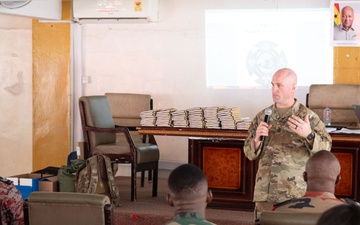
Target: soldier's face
(282, 91)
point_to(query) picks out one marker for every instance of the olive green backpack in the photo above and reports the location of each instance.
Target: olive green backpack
(66, 175)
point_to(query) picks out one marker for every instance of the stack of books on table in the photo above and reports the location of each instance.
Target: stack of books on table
(196, 117)
(244, 124)
(229, 117)
(148, 118)
(211, 118)
(164, 118)
(180, 118)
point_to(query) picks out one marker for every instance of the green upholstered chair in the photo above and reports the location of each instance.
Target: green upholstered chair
(58, 208)
(103, 136)
(288, 218)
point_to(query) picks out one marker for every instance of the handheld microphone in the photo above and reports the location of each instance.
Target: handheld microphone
(268, 113)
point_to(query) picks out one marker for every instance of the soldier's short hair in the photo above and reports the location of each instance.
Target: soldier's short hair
(186, 179)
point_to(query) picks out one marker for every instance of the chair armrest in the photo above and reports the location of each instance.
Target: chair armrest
(131, 128)
(135, 128)
(116, 129)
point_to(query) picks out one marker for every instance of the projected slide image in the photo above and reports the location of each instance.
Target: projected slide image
(263, 59)
(245, 47)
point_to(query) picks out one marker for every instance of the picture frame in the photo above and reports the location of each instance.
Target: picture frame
(345, 29)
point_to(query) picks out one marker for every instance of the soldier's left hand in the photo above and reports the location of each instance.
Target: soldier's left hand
(299, 126)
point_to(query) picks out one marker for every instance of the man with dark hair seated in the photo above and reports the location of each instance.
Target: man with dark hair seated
(341, 215)
(12, 203)
(322, 173)
(189, 194)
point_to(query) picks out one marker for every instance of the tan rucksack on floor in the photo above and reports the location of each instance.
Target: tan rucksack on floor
(97, 177)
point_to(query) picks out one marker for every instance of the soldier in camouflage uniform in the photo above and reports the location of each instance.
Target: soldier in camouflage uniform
(322, 173)
(292, 135)
(12, 203)
(189, 194)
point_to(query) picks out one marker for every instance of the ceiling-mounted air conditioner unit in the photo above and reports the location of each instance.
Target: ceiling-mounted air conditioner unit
(39, 9)
(114, 11)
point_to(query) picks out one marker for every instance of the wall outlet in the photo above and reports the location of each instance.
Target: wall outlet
(85, 79)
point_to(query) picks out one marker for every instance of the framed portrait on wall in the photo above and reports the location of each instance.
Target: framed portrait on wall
(345, 30)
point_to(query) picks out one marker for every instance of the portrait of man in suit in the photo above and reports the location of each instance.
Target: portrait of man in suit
(344, 23)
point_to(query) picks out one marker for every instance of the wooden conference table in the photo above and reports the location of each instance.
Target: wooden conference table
(219, 153)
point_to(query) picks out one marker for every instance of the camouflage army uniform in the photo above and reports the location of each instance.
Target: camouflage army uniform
(12, 204)
(284, 154)
(314, 202)
(188, 218)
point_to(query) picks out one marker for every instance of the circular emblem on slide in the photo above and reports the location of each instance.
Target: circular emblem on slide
(263, 60)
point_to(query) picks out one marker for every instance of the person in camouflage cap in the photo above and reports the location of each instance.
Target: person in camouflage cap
(12, 203)
(189, 194)
(293, 134)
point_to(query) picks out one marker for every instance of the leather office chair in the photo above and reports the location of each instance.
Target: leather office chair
(58, 208)
(100, 136)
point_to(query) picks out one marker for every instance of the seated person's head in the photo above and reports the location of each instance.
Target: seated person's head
(347, 214)
(188, 189)
(322, 172)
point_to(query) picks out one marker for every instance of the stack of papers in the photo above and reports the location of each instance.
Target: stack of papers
(343, 130)
(148, 118)
(229, 117)
(244, 124)
(196, 117)
(211, 119)
(163, 117)
(180, 118)
(214, 117)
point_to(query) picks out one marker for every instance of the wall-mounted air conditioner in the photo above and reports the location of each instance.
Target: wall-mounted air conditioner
(113, 11)
(38, 9)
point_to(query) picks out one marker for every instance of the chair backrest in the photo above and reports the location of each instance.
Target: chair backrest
(126, 107)
(288, 218)
(339, 97)
(58, 208)
(95, 112)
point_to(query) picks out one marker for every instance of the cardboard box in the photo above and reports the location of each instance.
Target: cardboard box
(49, 184)
(27, 183)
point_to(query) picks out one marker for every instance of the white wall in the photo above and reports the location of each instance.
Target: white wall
(167, 60)
(15, 95)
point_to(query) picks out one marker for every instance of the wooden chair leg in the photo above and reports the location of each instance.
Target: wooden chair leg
(142, 178)
(150, 173)
(155, 182)
(133, 183)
